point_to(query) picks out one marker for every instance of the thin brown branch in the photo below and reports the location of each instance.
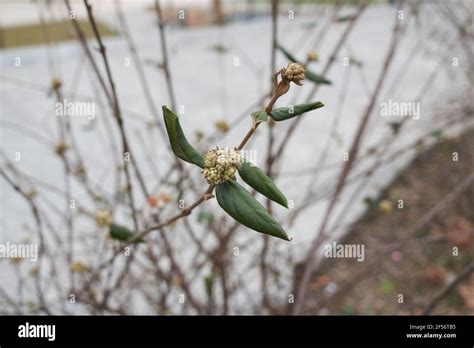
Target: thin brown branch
(117, 114)
(164, 54)
(311, 256)
(448, 288)
(325, 71)
(139, 67)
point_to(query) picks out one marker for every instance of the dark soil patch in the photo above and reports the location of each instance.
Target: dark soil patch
(405, 267)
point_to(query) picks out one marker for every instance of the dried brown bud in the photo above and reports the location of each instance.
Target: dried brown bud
(103, 218)
(199, 135)
(313, 56)
(61, 148)
(222, 126)
(78, 267)
(56, 84)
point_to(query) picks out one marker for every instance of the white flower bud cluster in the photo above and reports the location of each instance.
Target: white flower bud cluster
(220, 165)
(294, 72)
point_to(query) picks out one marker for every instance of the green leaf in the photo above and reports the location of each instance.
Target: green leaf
(387, 286)
(208, 284)
(179, 144)
(345, 18)
(437, 134)
(257, 179)
(239, 203)
(281, 114)
(318, 79)
(356, 62)
(219, 48)
(122, 233)
(371, 203)
(259, 117)
(205, 216)
(288, 55)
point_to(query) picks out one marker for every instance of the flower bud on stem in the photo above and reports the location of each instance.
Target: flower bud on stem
(294, 72)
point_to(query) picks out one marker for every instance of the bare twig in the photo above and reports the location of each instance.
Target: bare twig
(164, 54)
(448, 288)
(332, 58)
(139, 67)
(311, 256)
(118, 116)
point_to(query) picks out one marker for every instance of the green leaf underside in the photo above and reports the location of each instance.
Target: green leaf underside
(179, 143)
(122, 233)
(281, 114)
(318, 79)
(259, 116)
(239, 203)
(258, 180)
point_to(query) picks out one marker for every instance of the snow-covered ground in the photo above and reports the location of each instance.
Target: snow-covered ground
(211, 87)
